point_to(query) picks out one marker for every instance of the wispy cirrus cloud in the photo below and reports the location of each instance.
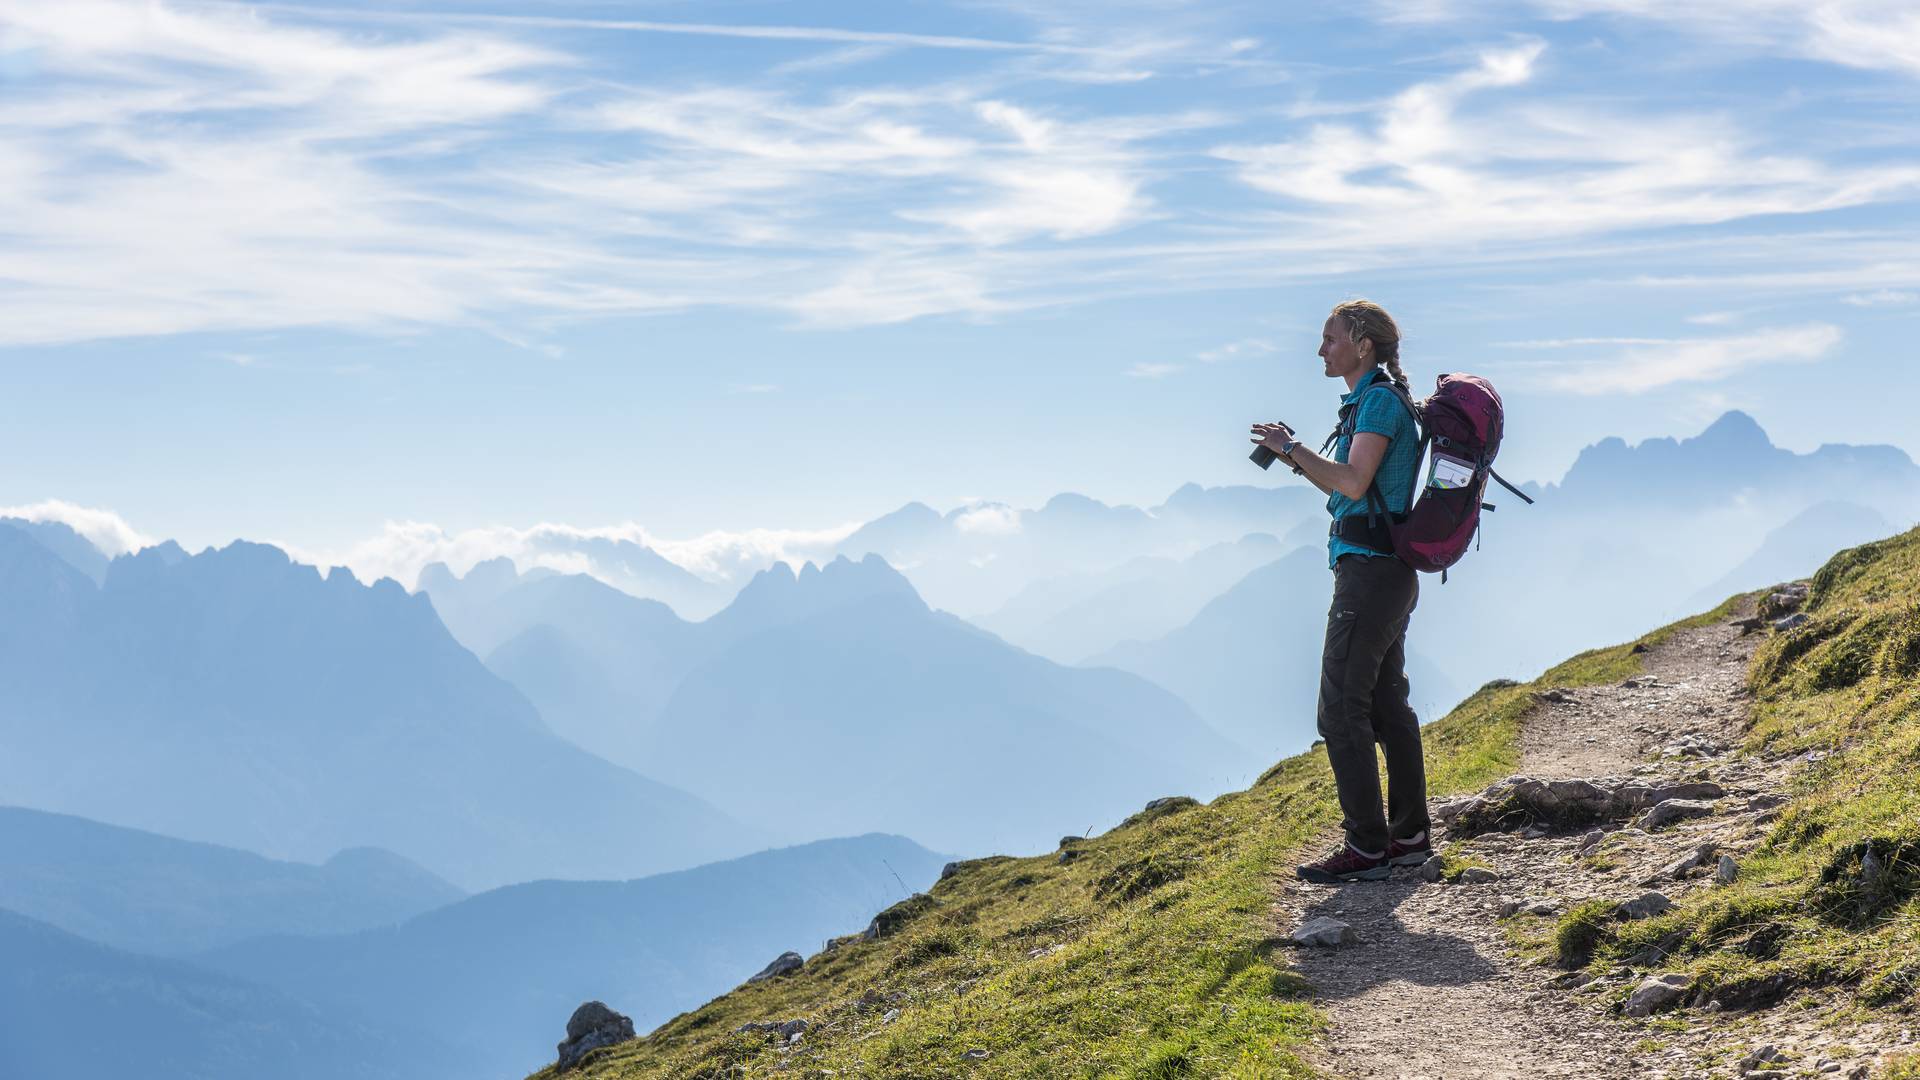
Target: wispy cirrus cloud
(190, 167)
(1882, 298)
(1877, 34)
(1633, 365)
(1146, 370)
(1435, 167)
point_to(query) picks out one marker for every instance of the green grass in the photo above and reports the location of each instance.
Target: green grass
(1848, 686)
(1168, 966)
(1902, 1067)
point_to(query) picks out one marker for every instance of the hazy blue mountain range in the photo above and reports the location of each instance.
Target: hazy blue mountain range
(1797, 548)
(974, 559)
(77, 1010)
(1734, 457)
(499, 973)
(153, 894)
(1641, 535)
(239, 698)
(1071, 617)
(858, 705)
(835, 701)
(58, 537)
(1249, 662)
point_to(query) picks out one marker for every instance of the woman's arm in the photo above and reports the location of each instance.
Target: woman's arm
(1351, 479)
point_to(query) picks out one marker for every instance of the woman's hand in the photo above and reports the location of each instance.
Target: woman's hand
(1275, 437)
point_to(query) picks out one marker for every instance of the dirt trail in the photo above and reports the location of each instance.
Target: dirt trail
(1433, 989)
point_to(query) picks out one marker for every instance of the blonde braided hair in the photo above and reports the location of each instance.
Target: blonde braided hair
(1369, 321)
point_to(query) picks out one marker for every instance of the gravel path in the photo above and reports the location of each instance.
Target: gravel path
(1433, 989)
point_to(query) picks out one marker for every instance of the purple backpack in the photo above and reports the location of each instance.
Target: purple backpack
(1462, 421)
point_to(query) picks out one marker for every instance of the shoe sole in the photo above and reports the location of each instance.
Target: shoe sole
(1321, 877)
(1411, 858)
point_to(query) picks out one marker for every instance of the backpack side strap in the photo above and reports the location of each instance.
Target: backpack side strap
(1524, 497)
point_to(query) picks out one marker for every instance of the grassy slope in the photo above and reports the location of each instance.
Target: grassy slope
(1167, 966)
(1847, 684)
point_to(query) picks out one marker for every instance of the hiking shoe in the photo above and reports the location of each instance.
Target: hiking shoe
(1410, 852)
(1345, 865)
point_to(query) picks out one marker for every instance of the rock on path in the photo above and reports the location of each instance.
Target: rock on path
(1434, 992)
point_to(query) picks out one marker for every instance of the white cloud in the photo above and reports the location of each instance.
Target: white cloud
(174, 168)
(183, 167)
(103, 529)
(1145, 370)
(989, 520)
(1882, 298)
(1438, 170)
(401, 549)
(1233, 350)
(1876, 34)
(1643, 364)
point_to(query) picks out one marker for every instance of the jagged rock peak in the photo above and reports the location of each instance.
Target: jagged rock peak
(1734, 429)
(839, 581)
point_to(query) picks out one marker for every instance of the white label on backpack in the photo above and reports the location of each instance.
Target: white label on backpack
(1448, 473)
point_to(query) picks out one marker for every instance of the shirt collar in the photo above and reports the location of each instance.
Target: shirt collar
(1360, 387)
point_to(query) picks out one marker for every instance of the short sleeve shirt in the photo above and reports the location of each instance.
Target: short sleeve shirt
(1381, 412)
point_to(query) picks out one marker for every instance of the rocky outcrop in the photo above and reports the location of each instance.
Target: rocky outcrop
(1525, 801)
(785, 964)
(592, 1027)
(889, 922)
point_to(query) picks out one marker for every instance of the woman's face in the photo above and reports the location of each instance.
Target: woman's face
(1340, 351)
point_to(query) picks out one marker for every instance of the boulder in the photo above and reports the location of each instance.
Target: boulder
(890, 921)
(591, 1027)
(1687, 864)
(841, 942)
(1655, 994)
(1432, 869)
(1668, 811)
(1324, 933)
(785, 964)
(1726, 870)
(1476, 875)
(1646, 906)
(1791, 623)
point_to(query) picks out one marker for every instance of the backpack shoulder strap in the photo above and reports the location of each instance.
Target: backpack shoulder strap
(1405, 398)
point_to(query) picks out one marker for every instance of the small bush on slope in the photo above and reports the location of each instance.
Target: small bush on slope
(1148, 954)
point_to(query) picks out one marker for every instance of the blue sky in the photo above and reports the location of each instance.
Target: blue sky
(364, 278)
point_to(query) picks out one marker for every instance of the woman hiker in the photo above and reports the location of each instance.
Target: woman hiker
(1363, 680)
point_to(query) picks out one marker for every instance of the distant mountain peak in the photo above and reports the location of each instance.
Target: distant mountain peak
(780, 592)
(1734, 429)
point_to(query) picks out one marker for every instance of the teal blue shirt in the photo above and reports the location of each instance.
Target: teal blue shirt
(1381, 413)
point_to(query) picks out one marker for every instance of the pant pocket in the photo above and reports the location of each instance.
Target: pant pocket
(1340, 625)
